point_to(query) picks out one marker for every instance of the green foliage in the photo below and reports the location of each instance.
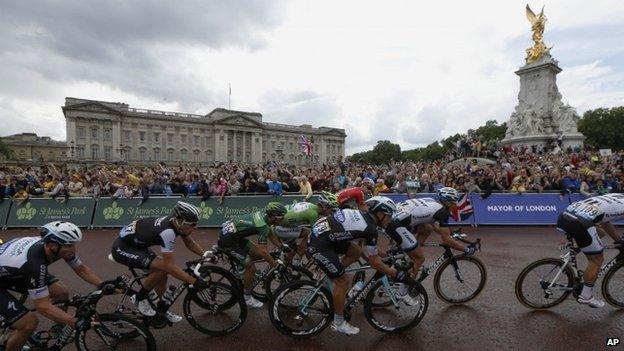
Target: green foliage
(382, 153)
(603, 127)
(491, 131)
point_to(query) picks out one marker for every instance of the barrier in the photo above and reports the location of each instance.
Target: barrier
(37, 212)
(5, 206)
(117, 213)
(497, 209)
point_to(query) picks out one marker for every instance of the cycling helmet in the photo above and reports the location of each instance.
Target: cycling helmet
(368, 182)
(63, 233)
(448, 194)
(328, 199)
(275, 209)
(381, 204)
(186, 212)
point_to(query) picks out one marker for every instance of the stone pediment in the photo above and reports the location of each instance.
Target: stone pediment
(239, 120)
(92, 106)
(332, 132)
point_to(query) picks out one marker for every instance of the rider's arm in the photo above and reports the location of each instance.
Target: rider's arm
(45, 306)
(83, 271)
(261, 251)
(377, 264)
(274, 239)
(168, 265)
(445, 233)
(192, 245)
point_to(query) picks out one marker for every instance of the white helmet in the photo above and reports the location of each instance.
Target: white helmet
(381, 204)
(61, 233)
(448, 194)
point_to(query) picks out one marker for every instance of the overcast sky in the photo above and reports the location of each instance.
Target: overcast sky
(408, 71)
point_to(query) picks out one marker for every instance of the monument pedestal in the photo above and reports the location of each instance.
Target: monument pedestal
(540, 115)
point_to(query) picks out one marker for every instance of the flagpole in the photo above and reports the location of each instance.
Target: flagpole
(229, 96)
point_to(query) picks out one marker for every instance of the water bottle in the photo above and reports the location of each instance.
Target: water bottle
(356, 289)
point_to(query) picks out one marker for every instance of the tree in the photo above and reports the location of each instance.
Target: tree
(491, 131)
(383, 152)
(603, 127)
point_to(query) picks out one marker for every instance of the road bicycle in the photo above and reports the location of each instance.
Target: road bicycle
(304, 308)
(217, 310)
(548, 282)
(457, 278)
(106, 332)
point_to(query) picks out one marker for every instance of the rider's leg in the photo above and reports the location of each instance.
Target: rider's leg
(23, 328)
(423, 232)
(354, 252)
(341, 285)
(591, 274)
(303, 244)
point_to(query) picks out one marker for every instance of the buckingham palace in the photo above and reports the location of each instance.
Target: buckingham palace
(113, 131)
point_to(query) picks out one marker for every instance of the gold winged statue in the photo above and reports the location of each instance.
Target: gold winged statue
(538, 22)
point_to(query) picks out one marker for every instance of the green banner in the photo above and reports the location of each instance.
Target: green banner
(118, 213)
(5, 205)
(37, 212)
(109, 213)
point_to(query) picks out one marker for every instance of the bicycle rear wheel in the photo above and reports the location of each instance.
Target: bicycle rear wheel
(108, 334)
(205, 309)
(221, 275)
(275, 281)
(397, 315)
(613, 285)
(533, 285)
(301, 309)
(460, 281)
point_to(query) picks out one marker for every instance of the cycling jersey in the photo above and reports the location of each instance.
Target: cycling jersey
(355, 194)
(234, 233)
(24, 267)
(413, 212)
(150, 231)
(599, 209)
(299, 215)
(331, 236)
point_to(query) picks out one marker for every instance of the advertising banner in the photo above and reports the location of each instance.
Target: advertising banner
(5, 206)
(37, 212)
(524, 209)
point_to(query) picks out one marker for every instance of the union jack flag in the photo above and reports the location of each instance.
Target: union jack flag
(463, 209)
(305, 146)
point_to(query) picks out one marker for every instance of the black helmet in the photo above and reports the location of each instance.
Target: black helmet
(186, 212)
(275, 209)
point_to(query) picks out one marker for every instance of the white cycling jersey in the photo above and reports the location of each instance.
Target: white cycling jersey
(413, 212)
(599, 209)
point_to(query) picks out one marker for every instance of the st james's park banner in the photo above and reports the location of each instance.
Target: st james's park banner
(5, 206)
(37, 212)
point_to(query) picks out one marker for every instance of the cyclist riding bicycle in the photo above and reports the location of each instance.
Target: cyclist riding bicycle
(422, 217)
(132, 249)
(24, 269)
(586, 221)
(356, 194)
(336, 235)
(297, 221)
(234, 235)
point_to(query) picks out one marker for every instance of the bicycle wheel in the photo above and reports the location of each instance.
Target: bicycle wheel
(613, 285)
(221, 275)
(108, 334)
(398, 315)
(460, 281)
(301, 309)
(532, 285)
(205, 309)
(275, 281)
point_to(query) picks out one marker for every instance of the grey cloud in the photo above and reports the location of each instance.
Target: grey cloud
(302, 107)
(131, 46)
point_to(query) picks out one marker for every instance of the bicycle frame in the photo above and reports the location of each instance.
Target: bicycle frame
(447, 254)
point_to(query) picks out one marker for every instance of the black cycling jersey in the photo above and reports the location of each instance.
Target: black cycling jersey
(24, 266)
(150, 231)
(347, 225)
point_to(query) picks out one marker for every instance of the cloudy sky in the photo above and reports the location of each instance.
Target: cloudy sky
(408, 71)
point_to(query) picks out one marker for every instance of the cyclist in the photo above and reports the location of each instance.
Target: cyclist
(335, 235)
(24, 269)
(132, 249)
(356, 194)
(234, 235)
(297, 221)
(422, 217)
(586, 221)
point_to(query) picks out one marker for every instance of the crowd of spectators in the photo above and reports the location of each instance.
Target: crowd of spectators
(509, 170)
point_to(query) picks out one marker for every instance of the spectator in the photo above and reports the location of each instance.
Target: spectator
(234, 186)
(219, 188)
(274, 186)
(305, 188)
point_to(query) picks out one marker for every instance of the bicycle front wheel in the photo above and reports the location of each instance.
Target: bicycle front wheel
(276, 281)
(210, 312)
(109, 334)
(613, 285)
(544, 283)
(301, 309)
(386, 311)
(460, 280)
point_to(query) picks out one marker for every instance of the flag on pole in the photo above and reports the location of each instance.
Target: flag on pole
(305, 146)
(463, 209)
